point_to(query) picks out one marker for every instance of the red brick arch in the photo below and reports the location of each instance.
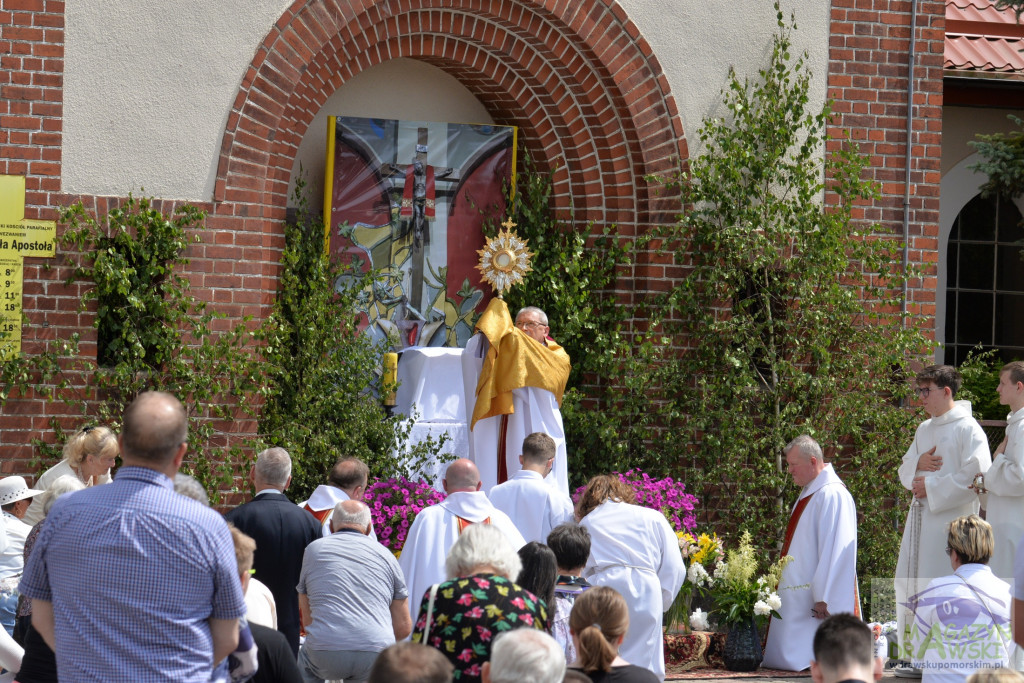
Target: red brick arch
(575, 75)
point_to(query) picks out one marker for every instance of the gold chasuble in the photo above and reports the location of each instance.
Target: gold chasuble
(514, 360)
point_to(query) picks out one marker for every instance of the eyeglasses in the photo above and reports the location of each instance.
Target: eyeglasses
(924, 391)
(528, 324)
(949, 551)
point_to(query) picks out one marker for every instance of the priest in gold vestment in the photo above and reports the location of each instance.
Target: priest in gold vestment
(514, 377)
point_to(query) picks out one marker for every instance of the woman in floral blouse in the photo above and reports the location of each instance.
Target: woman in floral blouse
(464, 614)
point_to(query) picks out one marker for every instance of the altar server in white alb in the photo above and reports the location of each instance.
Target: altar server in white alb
(1004, 480)
(436, 528)
(514, 375)
(821, 579)
(533, 506)
(949, 451)
(634, 550)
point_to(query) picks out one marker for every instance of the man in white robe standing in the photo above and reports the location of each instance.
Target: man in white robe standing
(514, 376)
(821, 579)
(1004, 480)
(347, 481)
(533, 506)
(948, 451)
(634, 550)
(436, 528)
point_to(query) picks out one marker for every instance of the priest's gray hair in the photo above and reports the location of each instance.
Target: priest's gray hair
(58, 488)
(274, 466)
(351, 513)
(526, 654)
(533, 309)
(806, 446)
(482, 545)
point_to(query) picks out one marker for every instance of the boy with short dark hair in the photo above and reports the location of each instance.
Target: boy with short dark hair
(949, 450)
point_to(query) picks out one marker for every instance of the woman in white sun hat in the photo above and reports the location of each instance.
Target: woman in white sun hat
(15, 496)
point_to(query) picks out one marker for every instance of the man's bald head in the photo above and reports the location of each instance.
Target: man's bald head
(462, 475)
(155, 428)
(351, 514)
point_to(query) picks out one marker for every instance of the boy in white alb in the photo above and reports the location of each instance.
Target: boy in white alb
(948, 451)
(533, 506)
(1004, 480)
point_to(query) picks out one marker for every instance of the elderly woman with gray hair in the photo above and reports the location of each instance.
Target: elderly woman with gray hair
(461, 616)
(962, 621)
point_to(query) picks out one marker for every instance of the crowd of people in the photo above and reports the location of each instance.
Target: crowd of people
(135, 578)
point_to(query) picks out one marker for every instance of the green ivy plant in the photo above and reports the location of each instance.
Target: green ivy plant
(319, 375)
(152, 333)
(790, 312)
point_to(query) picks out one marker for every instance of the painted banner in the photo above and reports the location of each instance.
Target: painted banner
(409, 198)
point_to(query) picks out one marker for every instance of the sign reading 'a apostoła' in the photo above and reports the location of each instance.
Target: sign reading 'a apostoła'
(18, 238)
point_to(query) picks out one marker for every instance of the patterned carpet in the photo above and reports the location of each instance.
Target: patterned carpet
(674, 674)
(699, 655)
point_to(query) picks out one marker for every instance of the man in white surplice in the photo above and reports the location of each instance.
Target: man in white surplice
(347, 481)
(533, 506)
(513, 376)
(1005, 479)
(436, 528)
(948, 451)
(821, 537)
(634, 550)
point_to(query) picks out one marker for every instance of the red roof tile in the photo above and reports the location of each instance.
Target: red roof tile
(980, 37)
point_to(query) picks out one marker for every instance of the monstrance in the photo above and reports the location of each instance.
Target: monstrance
(504, 260)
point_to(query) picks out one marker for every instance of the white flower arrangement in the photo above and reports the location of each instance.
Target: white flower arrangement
(761, 609)
(720, 570)
(699, 620)
(698, 576)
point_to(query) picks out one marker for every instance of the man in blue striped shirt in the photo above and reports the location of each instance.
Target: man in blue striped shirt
(130, 581)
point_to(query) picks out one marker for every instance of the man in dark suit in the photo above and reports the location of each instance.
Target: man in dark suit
(282, 530)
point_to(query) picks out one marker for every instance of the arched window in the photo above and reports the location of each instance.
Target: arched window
(985, 281)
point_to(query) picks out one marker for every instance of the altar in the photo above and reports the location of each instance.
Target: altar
(431, 395)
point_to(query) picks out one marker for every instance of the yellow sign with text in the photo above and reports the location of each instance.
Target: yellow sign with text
(10, 307)
(18, 238)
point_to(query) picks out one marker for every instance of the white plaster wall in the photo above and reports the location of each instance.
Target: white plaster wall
(697, 42)
(147, 91)
(385, 91)
(961, 124)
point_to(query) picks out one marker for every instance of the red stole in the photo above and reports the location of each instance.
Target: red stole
(321, 515)
(502, 436)
(794, 517)
(463, 523)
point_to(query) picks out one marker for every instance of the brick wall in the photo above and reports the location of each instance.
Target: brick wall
(576, 76)
(868, 76)
(31, 79)
(582, 84)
